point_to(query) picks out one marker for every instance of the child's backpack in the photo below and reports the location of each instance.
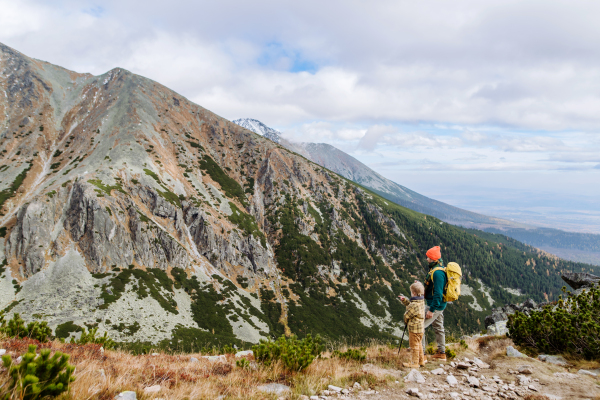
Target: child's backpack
(454, 275)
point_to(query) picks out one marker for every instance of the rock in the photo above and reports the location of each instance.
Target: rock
(481, 364)
(534, 388)
(525, 369)
(275, 388)
(154, 354)
(412, 392)
(303, 397)
(356, 385)
(498, 328)
(220, 358)
(557, 360)
(523, 380)
(336, 389)
(451, 380)
(578, 280)
(314, 397)
(463, 365)
(414, 376)
(18, 360)
(453, 364)
(152, 389)
(129, 395)
(194, 359)
(438, 371)
(586, 372)
(345, 391)
(454, 395)
(2, 352)
(244, 353)
(473, 381)
(512, 352)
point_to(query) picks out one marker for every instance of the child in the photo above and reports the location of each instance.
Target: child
(414, 317)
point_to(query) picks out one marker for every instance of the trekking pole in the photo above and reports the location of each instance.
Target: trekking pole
(402, 340)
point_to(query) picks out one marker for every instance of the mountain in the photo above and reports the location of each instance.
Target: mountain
(259, 128)
(126, 207)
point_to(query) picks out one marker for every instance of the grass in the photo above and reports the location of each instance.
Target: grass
(106, 188)
(229, 185)
(103, 375)
(166, 194)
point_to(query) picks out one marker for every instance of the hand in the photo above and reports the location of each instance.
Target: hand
(428, 315)
(402, 298)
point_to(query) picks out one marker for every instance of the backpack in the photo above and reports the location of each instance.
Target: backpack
(454, 275)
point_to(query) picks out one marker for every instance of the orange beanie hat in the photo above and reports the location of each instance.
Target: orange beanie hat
(435, 253)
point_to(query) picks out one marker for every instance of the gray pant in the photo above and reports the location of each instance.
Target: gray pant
(437, 322)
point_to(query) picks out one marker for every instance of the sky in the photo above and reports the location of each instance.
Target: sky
(489, 105)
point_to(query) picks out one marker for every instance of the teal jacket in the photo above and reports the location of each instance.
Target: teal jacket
(434, 291)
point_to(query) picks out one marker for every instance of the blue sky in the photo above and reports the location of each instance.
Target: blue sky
(464, 101)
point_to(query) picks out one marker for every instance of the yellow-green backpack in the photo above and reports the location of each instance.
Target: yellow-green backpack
(454, 275)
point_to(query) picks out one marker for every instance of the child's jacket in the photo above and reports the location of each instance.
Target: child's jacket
(415, 314)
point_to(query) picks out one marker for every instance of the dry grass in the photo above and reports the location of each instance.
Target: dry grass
(102, 375)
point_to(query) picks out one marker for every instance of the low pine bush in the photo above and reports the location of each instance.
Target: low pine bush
(15, 327)
(296, 355)
(450, 353)
(572, 326)
(37, 377)
(351, 354)
(90, 337)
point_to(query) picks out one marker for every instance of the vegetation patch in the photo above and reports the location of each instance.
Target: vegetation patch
(106, 188)
(229, 185)
(12, 189)
(63, 331)
(166, 194)
(247, 223)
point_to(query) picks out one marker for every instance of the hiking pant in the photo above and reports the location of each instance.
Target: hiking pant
(416, 348)
(437, 322)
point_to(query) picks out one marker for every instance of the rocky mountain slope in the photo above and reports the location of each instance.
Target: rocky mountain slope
(127, 207)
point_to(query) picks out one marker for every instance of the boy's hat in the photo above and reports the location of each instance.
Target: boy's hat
(435, 253)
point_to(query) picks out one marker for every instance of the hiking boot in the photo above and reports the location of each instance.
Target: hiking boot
(439, 356)
(424, 362)
(407, 365)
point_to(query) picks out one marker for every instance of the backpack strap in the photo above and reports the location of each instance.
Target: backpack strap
(430, 275)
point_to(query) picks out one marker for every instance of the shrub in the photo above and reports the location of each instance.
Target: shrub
(463, 344)
(296, 355)
(572, 326)
(15, 327)
(243, 363)
(351, 354)
(450, 353)
(38, 377)
(90, 337)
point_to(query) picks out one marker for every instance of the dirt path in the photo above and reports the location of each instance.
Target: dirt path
(500, 381)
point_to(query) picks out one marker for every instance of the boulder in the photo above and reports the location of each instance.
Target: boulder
(498, 328)
(438, 371)
(244, 353)
(525, 370)
(523, 380)
(463, 365)
(512, 352)
(332, 388)
(275, 388)
(220, 358)
(481, 364)
(578, 280)
(556, 360)
(128, 395)
(414, 376)
(451, 380)
(412, 392)
(586, 372)
(473, 381)
(2, 352)
(194, 359)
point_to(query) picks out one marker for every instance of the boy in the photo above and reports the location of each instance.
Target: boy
(414, 317)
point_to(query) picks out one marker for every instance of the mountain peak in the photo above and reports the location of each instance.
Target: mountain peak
(259, 128)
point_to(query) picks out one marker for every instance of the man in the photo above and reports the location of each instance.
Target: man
(435, 282)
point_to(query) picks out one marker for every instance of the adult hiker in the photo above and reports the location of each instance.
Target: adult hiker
(435, 282)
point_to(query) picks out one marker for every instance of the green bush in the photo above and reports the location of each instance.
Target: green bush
(296, 355)
(572, 326)
(351, 354)
(90, 337)
(450, 353)
(15, 327)
(37, 377)
(243, 363)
